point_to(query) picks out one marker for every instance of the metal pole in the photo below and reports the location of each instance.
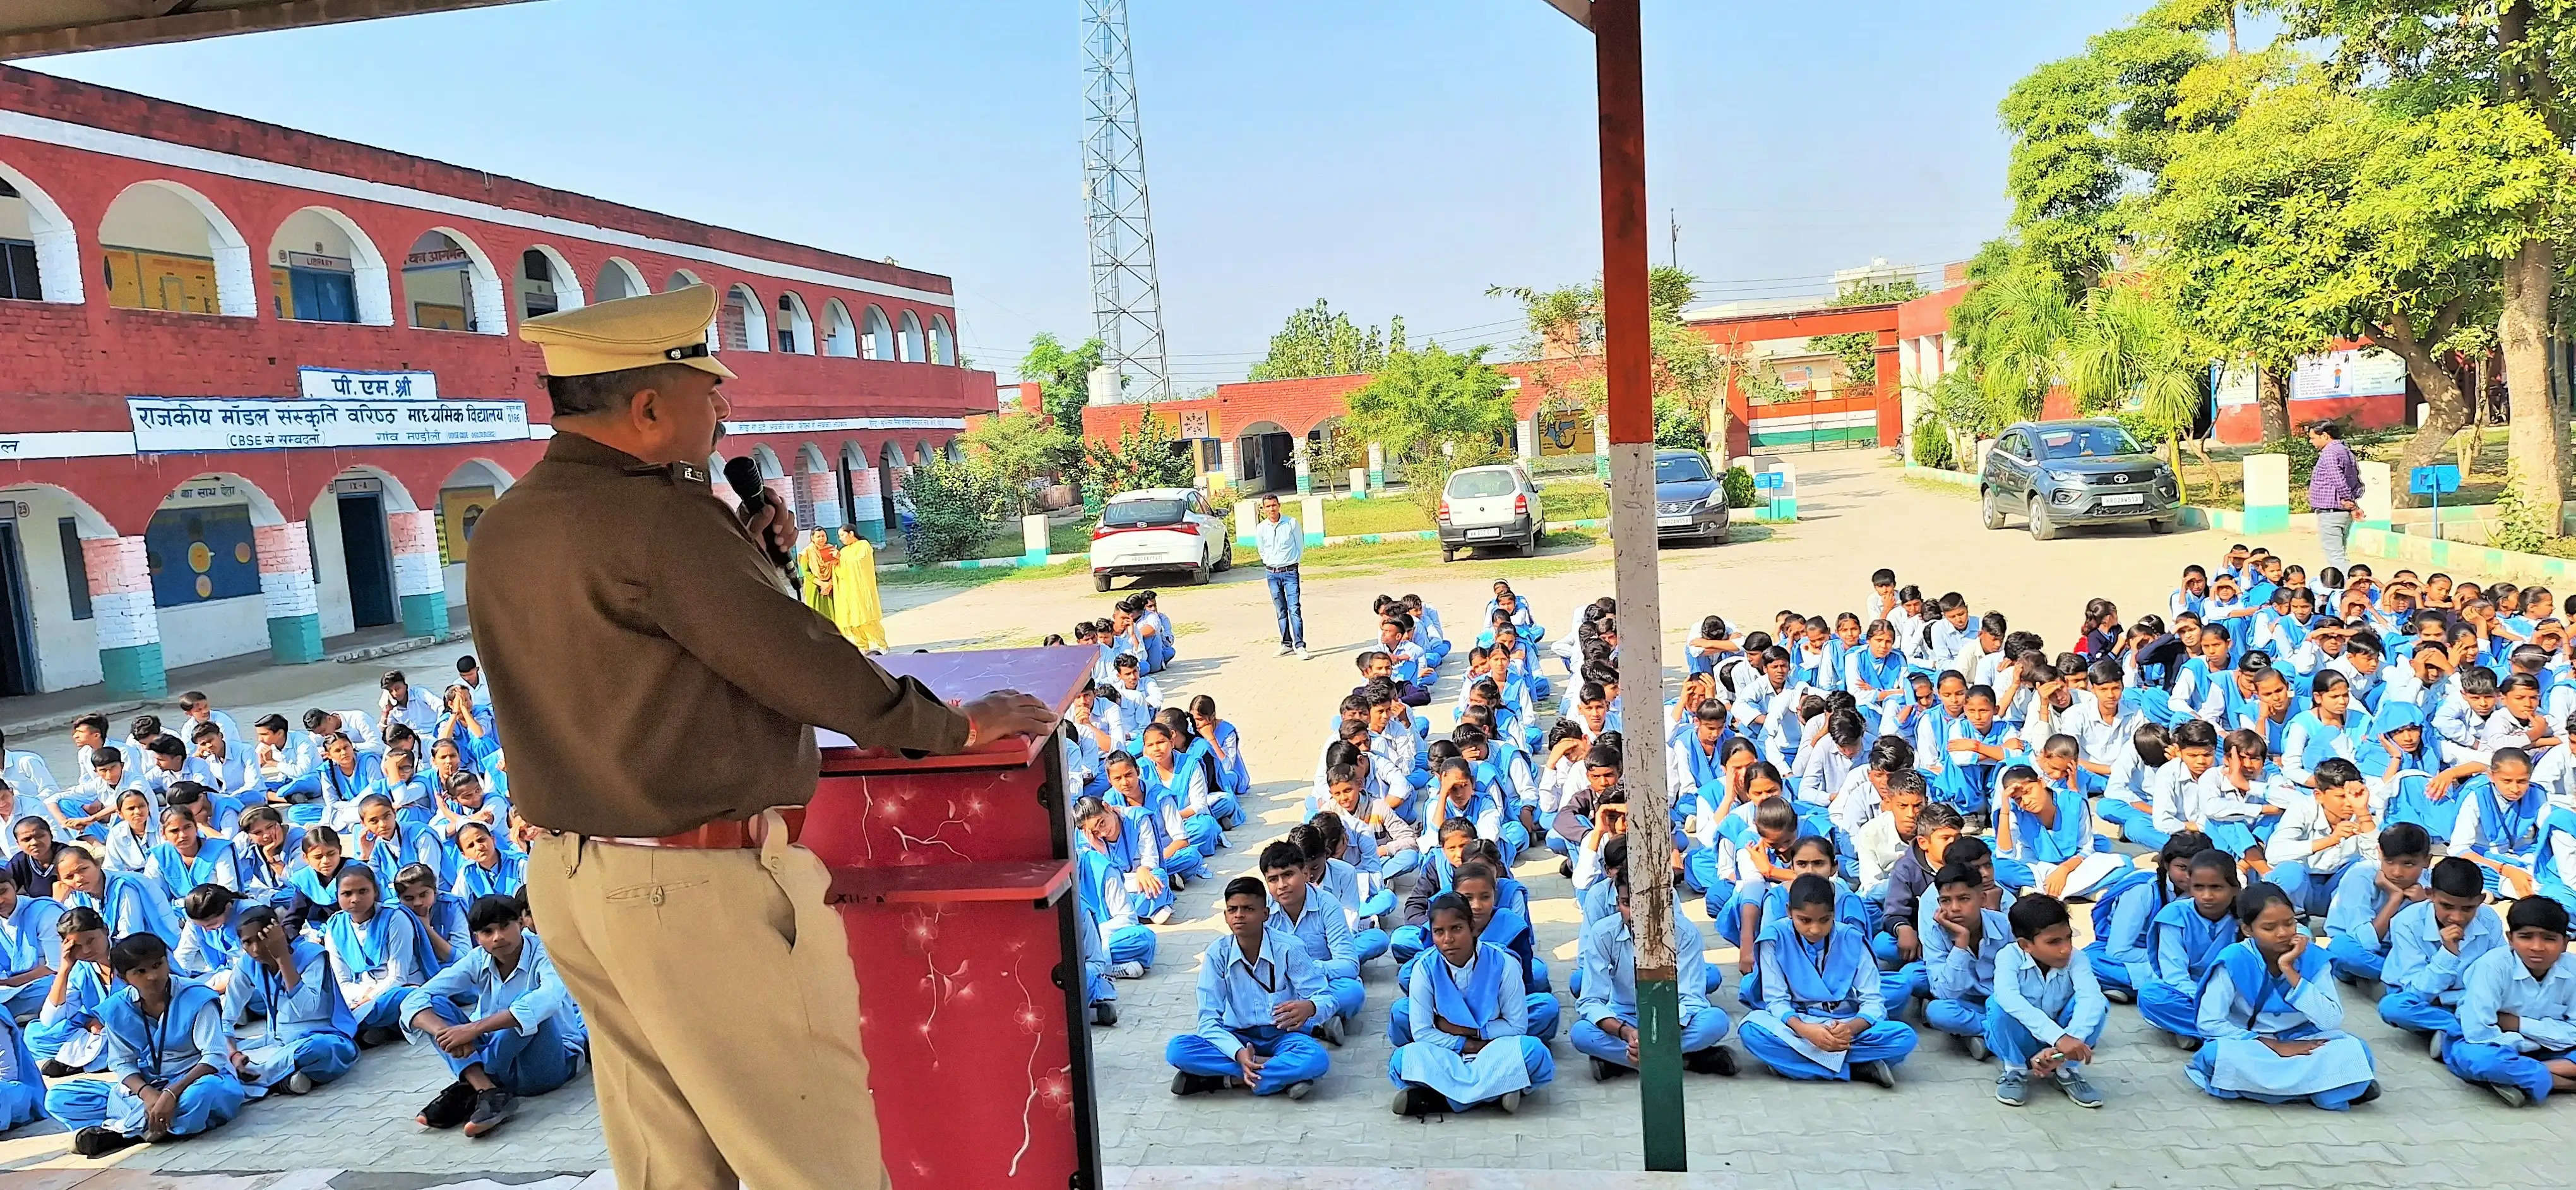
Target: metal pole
(1628, 365)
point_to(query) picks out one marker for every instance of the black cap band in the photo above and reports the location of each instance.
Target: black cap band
(692, 351)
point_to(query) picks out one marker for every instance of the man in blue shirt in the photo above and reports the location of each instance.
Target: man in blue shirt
(1283, 543)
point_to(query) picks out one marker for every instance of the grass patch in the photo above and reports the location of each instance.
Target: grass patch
(1574, 501)
(1391, 514)
(947, 577)
(1065, 537)
(1938, 487)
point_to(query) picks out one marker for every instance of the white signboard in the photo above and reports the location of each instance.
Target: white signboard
(343, 384)
(823, 425)
(169, 425)
(2234, 385)
(2343, 375)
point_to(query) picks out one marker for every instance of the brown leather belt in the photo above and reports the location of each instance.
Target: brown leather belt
(728, 834)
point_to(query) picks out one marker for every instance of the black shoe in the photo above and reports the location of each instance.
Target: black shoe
(1565, 869)
(1104, 1012)
(1413, 1100)
(451, 1108)
(380, 1035)
(1185, 1083)
(99, 1142)
(53, 1069)
(2368, 1093)
(1716, 1059)
(492, 1109)
(1603, 1071)
(1876, 1072)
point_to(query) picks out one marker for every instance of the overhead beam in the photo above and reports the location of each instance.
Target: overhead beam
(219, 22)
(1579, 10)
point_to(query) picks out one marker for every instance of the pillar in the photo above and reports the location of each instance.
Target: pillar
(1377, 467)
(1311, 518)
(418, 582)
(868, 518)
(1229, 461)
(2377, 496)
(1033, 540)
(1525, 438)
(823, 495)
(1359, 483)
(1305, 478)
(286, 585)
(2267, 493)
(1601, 447)
(1247, 513)
(1782, 499)
(129, 627)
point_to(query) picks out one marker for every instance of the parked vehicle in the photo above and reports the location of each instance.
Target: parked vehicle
(1690, 497)
(2066, 474)
(1159, 531)
(1494, 505)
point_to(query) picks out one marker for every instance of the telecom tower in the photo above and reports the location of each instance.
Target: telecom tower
(1126, 292)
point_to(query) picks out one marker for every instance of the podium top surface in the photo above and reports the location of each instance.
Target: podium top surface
(1052, 675)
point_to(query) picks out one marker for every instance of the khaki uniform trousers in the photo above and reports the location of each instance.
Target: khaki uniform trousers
(723, 1012)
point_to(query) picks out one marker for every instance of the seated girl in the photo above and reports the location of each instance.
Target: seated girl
(1822, 1015)
(1477, 1048)
(2272, 1019)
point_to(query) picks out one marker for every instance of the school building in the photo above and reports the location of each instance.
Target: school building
(256, 385)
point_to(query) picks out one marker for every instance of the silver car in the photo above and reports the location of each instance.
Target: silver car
(1494, 505)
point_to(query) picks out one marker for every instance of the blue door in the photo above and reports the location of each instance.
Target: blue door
(322, 296)
(369, 555)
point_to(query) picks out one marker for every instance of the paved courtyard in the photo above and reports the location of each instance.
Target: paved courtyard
(1940, 1127)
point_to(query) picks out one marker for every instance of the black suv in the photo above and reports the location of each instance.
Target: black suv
(2063, 474)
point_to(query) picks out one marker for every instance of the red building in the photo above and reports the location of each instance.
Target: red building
(256, 385)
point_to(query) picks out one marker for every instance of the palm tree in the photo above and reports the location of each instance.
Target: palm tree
(2127, 345)
(2022, 323)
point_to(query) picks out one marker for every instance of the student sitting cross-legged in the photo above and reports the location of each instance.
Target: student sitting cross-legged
(1257, 991)
(2431, 944)
(2273, 1023)
(2047, 1012)
(2518, 1014)
(66, 1035)
(1472, 1042)
(1822, 1015)
(307, 1034)
(2183, 941)
(1605, 1027)
(2122, 953)
(168, 1058)
(1960, 953)
(500, 1017)
(2369, 896)
(1479, 883)
(1324, 839)
(1314, 917)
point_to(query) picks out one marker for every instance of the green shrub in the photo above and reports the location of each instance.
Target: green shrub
(1931, 444)
(1740, 492)
(955, 506)
(2519, 525)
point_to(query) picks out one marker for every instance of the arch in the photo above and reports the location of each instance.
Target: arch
(795, 326)
(398, 496)
(679, 278)
(324, 268)
(741, 325)
(954, 450)
(921, 451)
(168, 247)
(619, 278)
(55, 242)
(840, 337)
(907, 346)
(87, 520)
(876, 336)
(479, 472)
(546, 283)
(943, 344)
(263, 509)
(449, 283)
(768, 460)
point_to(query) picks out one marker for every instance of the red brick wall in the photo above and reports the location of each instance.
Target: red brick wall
(1300, 405)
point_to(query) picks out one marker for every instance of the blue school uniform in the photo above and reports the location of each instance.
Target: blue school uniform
(542, 1052)
(2183, 944)
(307, 1031)
(179, 875)
(1509, 929)
(1834, 981)
(1235, 996)
(29, 939)
(1607, 968)
(2424, 979)
(327, 794)
(22, 1084)
(189, 1033)
(2507, 832)
(134, 904)
(2498, 982)
(1168, 794)
(1488, 999)
(2033, 1006)
(446, 920)
(378, 962)
(2124, 914)
(1133, 852)
(1962, 979)
(2353, 943)
(1109, 910)
(507, 875)
(1970, 784)
(204, 950)
(1324, 930)
(2244, 1001)
(60, 1032)
(410, 845)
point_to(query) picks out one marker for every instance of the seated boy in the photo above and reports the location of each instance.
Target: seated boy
(2369, 896)
(165, 1082)
(1364, 899)
(307, 1034)
(2322, 835)
(1476, 1047)
(1257, 991)
(1823, 1016)
(1605, 1026)
(2431, 943)
(1959, 955)
(2048, 1011)
(500, 1017)
(2518, 1014)
(2184, 940)
(1315, 918)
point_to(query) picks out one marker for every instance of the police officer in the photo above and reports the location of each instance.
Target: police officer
(655, 677)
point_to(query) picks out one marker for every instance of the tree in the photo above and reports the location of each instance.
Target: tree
(2128, 346)
(1020, 449)
(1320, 341)
(1064, 377)
(1423, 401)
(1144, 455)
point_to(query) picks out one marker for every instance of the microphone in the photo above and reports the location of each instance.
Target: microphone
(744, 475)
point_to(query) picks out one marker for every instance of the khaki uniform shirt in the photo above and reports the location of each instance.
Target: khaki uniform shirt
(650, 670)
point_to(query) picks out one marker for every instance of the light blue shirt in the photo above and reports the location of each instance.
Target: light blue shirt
(1955, 972)
(532, 991)
(2417, 960)
(1511, 997)
(2498, 982)
(1282, 542)
(1609, 960)
(1326, 932)
(1236, 994)
(2051, 1004)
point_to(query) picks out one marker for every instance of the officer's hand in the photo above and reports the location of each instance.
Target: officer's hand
(774, 527)
(1007, 713)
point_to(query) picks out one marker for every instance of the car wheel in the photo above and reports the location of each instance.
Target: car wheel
(1198, 576)
(1993, 513)
(1529, 548)
(1448, 555)
(2162, 524)
(2040, 529)
(1099, 582)
(1225, 561)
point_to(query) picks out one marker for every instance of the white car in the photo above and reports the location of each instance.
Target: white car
(1159, 531)
(1491, 506)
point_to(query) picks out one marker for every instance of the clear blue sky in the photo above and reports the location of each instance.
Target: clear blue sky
(1393, 158)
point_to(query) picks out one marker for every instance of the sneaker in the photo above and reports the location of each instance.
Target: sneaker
(53, 1069)
(1185, 1083)
(1604, 1071)
(1716, 1059)
(2079, 1089)
(1510, 1103)
(492, 1109)
(2185, 1044)
(1127, 971)
(1300, 1089)
(2120, 995)
(1284, 650)
(2012, 1088)
(1876, 1072)
(380, 1035)
(1977, 1051)
(450, 1109)
(1162, 916)
(2512, 1095)
(2437, 1043)
(1303, 655)
(298, 1083)
(99, 1142)
(1328, 1029)
(1104, 1013)
(2369, 1094)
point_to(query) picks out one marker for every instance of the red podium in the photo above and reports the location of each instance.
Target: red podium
(954, 875)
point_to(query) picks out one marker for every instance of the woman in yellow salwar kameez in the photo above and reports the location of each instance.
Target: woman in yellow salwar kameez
(854, 596)
(818, 560)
